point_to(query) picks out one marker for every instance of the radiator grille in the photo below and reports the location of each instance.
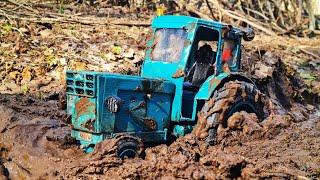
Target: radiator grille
(81, 83)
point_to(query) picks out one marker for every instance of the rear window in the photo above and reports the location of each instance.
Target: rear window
(168, 45)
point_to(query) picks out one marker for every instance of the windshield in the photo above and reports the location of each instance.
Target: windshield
(168, 45)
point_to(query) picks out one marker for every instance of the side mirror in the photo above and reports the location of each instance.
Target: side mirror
(248, 34)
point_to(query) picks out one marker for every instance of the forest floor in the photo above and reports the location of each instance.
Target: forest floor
(35, 142)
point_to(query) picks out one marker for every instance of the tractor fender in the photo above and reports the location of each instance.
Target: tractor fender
(214, 83)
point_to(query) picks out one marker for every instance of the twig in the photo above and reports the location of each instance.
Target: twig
(258, 13)
(14, 28)
(2, 13)
(255, 25)
(210, 9)
(219, 10)
(7, 11)
(298, 17)
(275, 26)
(317, 32)
(280, 17)
(309, 53)
(191, 9)
(260, 6)
(270, 11)
(143, 24)
(21, 5)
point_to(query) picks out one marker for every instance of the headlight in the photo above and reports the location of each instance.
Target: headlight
(113, 103)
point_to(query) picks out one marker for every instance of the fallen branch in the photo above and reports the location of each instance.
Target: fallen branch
(75, 19)
(255, 25)
(210, 9)
(257, 13)
(191, 9)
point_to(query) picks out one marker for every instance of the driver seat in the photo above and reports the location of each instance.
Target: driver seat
(202, 68)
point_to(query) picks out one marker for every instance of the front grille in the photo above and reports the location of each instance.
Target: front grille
(89, 77)
(81, 83)
(89, 85)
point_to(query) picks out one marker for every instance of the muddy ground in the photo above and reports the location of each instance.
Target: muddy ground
(35, 143)
(35, 140)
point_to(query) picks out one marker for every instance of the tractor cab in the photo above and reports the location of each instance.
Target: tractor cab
(193, 54)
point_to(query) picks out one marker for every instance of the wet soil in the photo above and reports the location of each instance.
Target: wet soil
(36, 143)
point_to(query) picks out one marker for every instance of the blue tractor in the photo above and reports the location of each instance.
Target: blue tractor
(189, 81)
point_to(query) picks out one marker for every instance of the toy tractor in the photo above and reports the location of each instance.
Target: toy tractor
(188, 80)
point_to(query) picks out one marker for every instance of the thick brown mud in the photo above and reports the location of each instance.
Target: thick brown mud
(35, 146)
(36, 143)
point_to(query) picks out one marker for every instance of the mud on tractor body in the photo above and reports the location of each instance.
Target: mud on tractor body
(188, 80)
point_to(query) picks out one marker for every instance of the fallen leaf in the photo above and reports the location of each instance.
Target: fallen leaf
(45, 33)
(26, 74)
(7, 27)
(80, 66)
(24, 89)
(116, 49)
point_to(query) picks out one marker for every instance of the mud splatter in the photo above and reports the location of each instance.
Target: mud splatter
(179, 73)
(82, 106)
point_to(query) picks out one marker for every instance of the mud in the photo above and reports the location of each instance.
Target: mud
(36, 143)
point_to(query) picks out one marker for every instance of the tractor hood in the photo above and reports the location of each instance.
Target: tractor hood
(114, 103)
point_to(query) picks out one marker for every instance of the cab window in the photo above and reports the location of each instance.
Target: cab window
(231, 52)
(168, 45)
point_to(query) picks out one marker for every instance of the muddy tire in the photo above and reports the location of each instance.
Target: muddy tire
(129, 147)
(234, 96)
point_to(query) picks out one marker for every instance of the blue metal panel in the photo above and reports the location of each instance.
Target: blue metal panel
(209, 86)
(170, 21)
(146, 103)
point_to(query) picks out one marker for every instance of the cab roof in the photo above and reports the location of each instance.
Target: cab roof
(177, 21)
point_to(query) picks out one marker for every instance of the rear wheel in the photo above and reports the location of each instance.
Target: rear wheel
(234, 96)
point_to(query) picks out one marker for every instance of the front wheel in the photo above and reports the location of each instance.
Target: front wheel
(234, 96)
(129, 147)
